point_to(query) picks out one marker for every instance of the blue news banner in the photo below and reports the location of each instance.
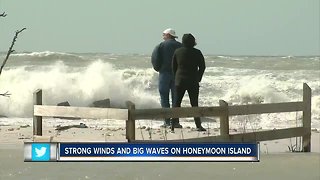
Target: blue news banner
(142, 152)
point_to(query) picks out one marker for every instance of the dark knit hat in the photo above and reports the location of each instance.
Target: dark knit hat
(188, 40)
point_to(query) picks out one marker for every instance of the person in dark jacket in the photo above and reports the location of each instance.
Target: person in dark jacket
(162, 60)
(188, 66)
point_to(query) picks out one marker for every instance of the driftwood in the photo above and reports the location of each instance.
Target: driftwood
(61, 128)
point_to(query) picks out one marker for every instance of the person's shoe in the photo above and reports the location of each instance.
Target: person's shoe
(201, 129)
(177, 125)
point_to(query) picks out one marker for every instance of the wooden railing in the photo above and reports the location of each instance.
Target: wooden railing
(40, 111)
(223, 111)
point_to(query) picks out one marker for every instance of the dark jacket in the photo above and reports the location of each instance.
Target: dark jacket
(188, 66)
(161, 57)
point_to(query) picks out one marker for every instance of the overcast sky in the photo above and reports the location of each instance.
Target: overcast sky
(229, 27)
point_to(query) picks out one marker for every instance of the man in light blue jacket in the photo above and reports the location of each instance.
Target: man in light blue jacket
(162, 62)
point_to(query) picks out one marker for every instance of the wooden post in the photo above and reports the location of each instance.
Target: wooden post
(37, 120)
(224, 119)
(130, 123)
(306, 139)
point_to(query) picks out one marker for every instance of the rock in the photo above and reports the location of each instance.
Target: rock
(3, 116)
(82, 125)
(11, 129)
(24, 126)
(105, 103)
(66, 103)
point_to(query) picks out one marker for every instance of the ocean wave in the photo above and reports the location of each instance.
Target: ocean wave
(232, 58)
(288, 57)
(46, 54)
(79, 86)
(122, 79)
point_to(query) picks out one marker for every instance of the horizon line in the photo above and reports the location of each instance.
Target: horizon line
(208, 54)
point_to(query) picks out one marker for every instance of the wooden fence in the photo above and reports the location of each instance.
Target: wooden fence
(223, 111)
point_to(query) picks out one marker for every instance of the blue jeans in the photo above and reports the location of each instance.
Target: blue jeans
(166, 85)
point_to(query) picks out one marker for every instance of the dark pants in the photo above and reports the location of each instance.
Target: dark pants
(193, 91)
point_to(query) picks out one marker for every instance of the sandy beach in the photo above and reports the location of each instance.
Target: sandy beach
(276, 161)
(75, 133)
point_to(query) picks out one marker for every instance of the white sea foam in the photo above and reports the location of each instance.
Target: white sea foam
(42, 54)
(132, 78)
(61, 83)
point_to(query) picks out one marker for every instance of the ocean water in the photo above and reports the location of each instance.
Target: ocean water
(81, 78)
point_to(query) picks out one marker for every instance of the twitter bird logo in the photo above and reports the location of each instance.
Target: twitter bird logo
(40, 152)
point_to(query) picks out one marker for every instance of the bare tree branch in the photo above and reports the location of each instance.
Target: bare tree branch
(10, 49)
(3, 14)
(6, 94)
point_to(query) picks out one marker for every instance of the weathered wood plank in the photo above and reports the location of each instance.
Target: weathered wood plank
(161, 113)
(253, 136)
(245, 137)
(224, 119)
(265, 108)
(37, 120)
(306, 139)
(81, 112)
(130, 124)
(183, 112)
